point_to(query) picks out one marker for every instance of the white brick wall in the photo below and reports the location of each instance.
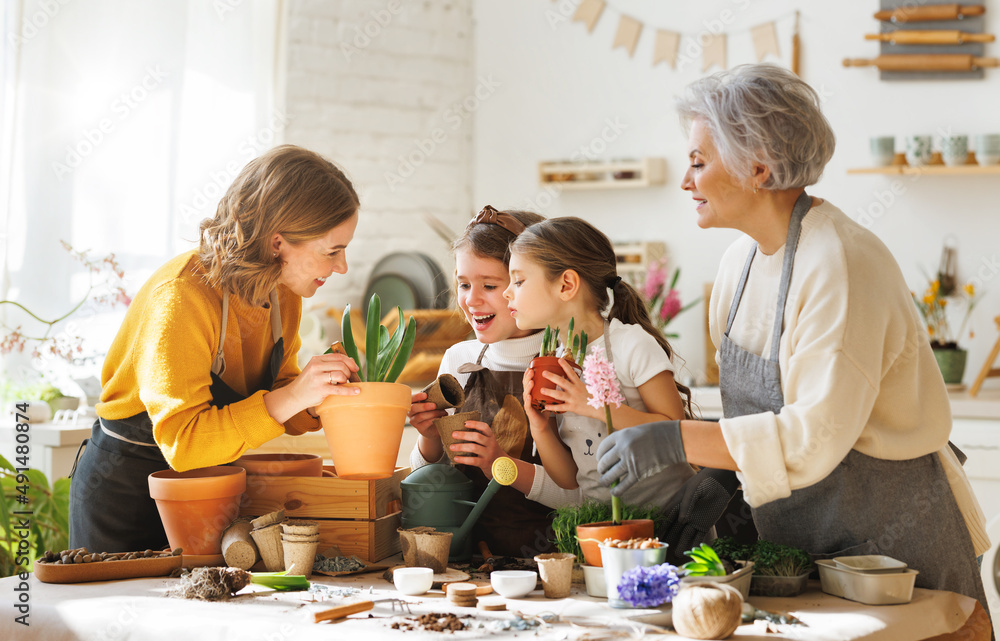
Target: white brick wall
(372, 85)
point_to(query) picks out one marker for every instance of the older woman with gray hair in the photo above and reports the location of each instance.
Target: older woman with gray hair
(836, 418)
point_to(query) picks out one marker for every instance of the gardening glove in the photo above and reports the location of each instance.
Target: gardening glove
(629, 455)
(696, 507)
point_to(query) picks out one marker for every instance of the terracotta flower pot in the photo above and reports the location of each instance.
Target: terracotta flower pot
(281, 464)
(364, 431)
(592, 534)
(197, 505)
(540, 400)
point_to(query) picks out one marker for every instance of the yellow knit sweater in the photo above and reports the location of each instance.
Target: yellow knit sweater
(160, 363)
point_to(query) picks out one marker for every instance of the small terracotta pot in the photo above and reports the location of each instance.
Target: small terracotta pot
(540, 400)
(281, 464)
(196, 506)
(364, 430)
(591, 535)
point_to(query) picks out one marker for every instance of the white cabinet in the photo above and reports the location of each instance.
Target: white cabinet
(980, 440)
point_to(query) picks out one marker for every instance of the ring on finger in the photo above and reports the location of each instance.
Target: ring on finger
(331, 379)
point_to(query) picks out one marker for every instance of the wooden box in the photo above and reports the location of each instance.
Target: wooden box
(359, 517)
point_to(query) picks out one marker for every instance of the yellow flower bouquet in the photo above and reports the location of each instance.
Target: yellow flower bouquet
(933, 307)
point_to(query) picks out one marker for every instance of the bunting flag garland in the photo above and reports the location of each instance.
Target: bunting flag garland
(628, 34)
(765, 40)
(589, 12)
(665, 49)
(714, 52)
(711, 44)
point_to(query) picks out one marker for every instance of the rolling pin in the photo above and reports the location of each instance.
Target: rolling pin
(931, 12)
(924, 62)
(943, 37)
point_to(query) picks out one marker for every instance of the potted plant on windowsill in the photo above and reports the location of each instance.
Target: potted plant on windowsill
(779, 570)
(364, 430)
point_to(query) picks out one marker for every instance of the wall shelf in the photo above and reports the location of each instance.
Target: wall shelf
(930, 170)
(935, 168)
(613, 174)
(634, 257)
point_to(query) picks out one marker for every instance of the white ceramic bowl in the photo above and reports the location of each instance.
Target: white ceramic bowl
(413, 581)
(513, 583)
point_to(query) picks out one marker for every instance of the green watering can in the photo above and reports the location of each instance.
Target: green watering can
(441, 497)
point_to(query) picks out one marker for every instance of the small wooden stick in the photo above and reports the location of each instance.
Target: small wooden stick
(342, 611)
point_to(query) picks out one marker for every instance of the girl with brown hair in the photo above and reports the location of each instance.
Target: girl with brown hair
(565, 268)
(518, 521)
(204, 365)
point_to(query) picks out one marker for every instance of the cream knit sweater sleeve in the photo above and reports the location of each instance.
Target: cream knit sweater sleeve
(856, 368)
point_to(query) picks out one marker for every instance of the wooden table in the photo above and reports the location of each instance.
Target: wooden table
(138, 609)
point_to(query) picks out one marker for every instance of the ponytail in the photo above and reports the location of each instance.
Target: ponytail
(558, 244)
(630, 308)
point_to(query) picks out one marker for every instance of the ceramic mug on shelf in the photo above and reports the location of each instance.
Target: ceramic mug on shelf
(883, 150)
(918, 150)
(954, 150)
(988, 149)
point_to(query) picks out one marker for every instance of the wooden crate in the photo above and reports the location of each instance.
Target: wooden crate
(371, 541)
(323, 497)
(359, 517)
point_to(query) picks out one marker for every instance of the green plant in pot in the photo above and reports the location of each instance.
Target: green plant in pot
(568, 518)
(714, 565)
(933, 306)
(779, 570)
(547, 361)
(364, 430)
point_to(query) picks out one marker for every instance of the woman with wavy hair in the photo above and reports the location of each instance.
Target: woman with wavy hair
(204, 366)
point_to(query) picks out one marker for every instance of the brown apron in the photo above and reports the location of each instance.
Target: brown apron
(512, 525)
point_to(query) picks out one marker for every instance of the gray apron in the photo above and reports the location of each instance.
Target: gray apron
(110, 509)
(904, 509)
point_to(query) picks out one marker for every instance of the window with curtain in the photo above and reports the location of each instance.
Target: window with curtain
(123, 124)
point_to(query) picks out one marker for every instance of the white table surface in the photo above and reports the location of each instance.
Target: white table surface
(137, 609)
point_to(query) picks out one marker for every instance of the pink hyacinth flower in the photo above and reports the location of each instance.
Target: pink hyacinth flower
(656, 278)
(602, 383)
(671, 305)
